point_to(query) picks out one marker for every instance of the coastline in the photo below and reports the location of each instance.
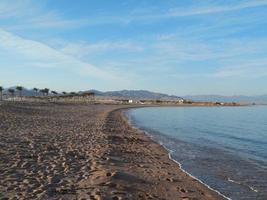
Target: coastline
(83, 151)
(234, 166)
(124, 113)
(189, 186)
(148, 134)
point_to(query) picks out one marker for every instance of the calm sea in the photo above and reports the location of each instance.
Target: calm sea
(224, 147)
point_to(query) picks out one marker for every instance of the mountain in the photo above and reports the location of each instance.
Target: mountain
(136, 94)
(25, 91)
(123, 94)
(260, 99)
(144, 94)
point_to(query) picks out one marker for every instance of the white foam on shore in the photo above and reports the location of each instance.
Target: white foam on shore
(170, 157)
(239, 183)
(180, 166)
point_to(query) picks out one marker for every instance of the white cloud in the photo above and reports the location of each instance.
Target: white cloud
(166, 54)
(36, 54)
(256, 68)
(146, 17)
(171, 47)
(252, 69)
(48, 21)
(15, 8)
(181, 12)
(37, 17)
(27, 14)
(83, 49)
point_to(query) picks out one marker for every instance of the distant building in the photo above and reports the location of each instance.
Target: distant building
(88, 94)
(130, 101)
(180, 101)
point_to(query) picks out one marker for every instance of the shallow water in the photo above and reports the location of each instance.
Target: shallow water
(225, 147)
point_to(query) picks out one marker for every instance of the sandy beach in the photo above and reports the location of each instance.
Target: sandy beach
(81, 151)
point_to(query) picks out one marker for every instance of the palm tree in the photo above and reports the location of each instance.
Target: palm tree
(35, 90)
(42, 91)
(46, 91)
(54, 92)
(11, 92)
(1, 92)
(19, 89)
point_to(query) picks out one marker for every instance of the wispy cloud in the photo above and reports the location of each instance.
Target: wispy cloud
(250, 69)
(49, 20)
(186, 49)
(15, 9)
(182, 57)
(200, 40)
(38, 18)
(27, 14)
(36, 54)
(184, 11)
(181, 12)
(82, 49)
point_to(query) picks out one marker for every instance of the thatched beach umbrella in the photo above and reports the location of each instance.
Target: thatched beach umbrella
(19, 89)
(1, 93)
(35, 90)
(11, 92)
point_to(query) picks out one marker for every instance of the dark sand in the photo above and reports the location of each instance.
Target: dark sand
(71, 151)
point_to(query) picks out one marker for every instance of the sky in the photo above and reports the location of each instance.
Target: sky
(181, 47)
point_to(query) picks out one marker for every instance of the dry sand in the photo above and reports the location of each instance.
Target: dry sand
(70, 151)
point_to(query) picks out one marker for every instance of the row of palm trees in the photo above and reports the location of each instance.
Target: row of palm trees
(1, 92)
(44, 92)
(19, 89)
(11, 91)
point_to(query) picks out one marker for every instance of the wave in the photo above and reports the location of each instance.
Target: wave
(219, 158)
(239, 183)
(130, 120)
(180, 166)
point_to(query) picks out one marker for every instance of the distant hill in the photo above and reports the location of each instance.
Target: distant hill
(25, 92)
(136, 94)
(260, 99)
(133, 94)
(144, 94)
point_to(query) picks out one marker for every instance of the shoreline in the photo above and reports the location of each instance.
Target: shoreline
(145, 134)
(84, 151)
(124, 113)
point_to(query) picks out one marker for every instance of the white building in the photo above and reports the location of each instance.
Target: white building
(180, 101)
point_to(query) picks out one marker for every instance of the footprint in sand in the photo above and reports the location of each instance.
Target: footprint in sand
(116, 198)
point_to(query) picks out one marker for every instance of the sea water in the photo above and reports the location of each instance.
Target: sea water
(224, 147)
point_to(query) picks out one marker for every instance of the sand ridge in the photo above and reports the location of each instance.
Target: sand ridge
(81, 151)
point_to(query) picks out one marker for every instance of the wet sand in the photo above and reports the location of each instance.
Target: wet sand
(79, 151)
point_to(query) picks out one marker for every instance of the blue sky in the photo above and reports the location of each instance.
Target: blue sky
(177, 47)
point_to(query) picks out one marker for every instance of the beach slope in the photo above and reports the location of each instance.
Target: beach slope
(80, 151)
